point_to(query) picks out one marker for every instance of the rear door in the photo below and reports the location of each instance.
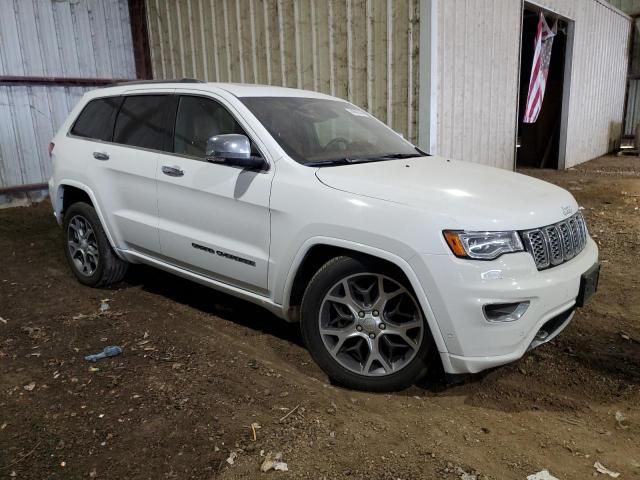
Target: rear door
(124, 170)
(214, 218)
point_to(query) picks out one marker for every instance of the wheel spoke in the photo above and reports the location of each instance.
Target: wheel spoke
(366, 292)
(74, 228)
(84, 262)
(384, 297)
(73, 247)
(80, 227)
(347, 299)
(340, 334)
(404, 337)
(376, 356)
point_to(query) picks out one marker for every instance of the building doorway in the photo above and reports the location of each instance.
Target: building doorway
(542, 144)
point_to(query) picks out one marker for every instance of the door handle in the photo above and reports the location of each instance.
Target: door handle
(172, 171)
(101, 155)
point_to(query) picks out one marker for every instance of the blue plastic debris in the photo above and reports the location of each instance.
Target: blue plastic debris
(113, 351)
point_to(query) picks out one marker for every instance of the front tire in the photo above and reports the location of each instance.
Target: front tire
(90, 256)
(364, 327)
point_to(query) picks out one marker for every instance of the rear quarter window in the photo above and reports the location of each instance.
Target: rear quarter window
(96, 119)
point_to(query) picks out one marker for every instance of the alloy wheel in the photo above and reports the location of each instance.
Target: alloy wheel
(371, 324)
(83, 245)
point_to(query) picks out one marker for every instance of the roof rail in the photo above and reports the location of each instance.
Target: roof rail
(145, 82)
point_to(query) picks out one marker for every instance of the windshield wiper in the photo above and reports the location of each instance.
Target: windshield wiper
(329, 163)
(399, 156)
(349, 161)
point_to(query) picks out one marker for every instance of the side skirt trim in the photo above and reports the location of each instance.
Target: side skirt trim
(255, 298)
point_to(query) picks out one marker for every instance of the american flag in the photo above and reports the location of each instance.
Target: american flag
(540, 70)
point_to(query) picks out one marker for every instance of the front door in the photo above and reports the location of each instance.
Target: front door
(213, 218)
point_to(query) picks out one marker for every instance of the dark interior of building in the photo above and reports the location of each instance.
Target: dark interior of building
(538, 143)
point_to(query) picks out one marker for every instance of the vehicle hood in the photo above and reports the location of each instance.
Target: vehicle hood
(465, 195)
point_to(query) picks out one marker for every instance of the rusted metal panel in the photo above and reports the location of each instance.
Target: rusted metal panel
(361, 50)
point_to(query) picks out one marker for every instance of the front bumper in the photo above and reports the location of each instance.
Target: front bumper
(457, 289)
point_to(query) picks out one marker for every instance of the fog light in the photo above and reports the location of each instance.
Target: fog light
(504, 312)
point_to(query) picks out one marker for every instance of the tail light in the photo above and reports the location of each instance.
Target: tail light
(51, 145)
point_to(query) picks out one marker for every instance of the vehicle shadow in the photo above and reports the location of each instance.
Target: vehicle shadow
(572, 365)
(583, 367)
(213, 302)
(246, 314)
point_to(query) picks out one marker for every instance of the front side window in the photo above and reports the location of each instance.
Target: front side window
(320, 131)
(145, 121)
(197, 120)
(96, 120)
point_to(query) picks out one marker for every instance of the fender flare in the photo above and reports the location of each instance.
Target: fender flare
(58, 207)
(374, 252)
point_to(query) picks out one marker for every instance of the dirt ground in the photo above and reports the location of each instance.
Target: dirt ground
(199, 368)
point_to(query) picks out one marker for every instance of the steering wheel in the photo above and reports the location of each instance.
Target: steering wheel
(335, 142)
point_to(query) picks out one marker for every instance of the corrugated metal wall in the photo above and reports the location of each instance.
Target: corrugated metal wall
(363, 50)
(598, 81)
(367, 51)
(478, 49)
(29, 117)
(53, 38)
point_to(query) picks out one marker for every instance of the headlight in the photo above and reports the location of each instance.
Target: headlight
(482, 245)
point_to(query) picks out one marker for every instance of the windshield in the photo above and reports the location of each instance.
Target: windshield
(321, 132)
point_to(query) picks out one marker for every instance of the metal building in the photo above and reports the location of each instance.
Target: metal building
(364, 51)
(475, 77)
(447, 74)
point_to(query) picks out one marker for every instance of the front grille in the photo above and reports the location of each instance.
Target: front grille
(558, 243)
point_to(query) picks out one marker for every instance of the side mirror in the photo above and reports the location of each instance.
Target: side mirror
(232, 149)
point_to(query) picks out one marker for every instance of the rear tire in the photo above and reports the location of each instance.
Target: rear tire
(90, 256)
(364, 327)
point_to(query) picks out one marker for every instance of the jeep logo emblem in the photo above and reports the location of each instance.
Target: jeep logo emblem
(566, 210)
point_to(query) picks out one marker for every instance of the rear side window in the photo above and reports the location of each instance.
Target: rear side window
(145, 121)
(96, 119)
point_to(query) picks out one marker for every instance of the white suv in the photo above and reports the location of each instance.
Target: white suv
(307, 205)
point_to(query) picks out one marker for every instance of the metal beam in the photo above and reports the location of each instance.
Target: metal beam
(32, 187)
(140, 36)
(59, 81)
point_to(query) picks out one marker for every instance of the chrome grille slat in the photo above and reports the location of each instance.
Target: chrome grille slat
(555, 244)
(567, 240)
(575, 234)
(583, 231)
(537, 245)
